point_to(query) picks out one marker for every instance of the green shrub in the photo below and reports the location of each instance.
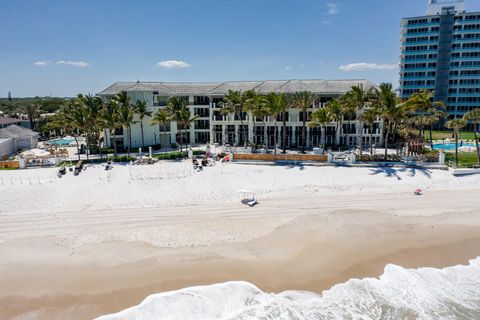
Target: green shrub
(176, 155)
(378, 158)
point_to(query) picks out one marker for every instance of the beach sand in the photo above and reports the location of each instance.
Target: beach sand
(72, 262)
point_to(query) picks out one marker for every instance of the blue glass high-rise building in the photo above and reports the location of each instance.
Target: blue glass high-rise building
(440, 52)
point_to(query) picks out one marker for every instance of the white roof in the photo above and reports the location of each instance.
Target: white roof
(14, 131)
(326, 87)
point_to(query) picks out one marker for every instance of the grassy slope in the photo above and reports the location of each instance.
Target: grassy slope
(439, 135)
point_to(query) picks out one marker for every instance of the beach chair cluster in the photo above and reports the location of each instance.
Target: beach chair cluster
(206, 161)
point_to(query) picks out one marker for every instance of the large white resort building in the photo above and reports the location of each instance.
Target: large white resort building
(213, 126)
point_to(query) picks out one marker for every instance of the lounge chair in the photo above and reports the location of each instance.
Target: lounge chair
(252, 202)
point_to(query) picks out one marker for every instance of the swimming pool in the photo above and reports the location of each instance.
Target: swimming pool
(62, 142)
(450, 146)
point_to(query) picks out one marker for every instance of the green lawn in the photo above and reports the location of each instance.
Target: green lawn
(465, 159)
(439, 135)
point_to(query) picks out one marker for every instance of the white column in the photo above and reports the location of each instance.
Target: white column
(211, 126)
(224, 138)
(265, 135)
(237, 134)
(338, 134)
(250, 128)
(192, 126)
(292, 139)
(173, 132)
(441, 158)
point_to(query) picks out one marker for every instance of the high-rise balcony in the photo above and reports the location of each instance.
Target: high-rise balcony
(404, 52)
(425, 86)
(413, 78)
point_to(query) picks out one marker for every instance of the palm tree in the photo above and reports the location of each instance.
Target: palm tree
(355, 101)
(421, 102)
(162, 117)
(183, 117)
(473, 116)
(390, 109)
(93, 107)
(321, 118)
(276, 104)
(253, 102)
(74, 118)
(32, 111)
(434, 116)
(126, 116)
(263, 111)
(10, 109)
(174, 107)
(122, 98)
(303, 100)
(109, 118)
(235, 102)
(336, 111)
(456, 125)
(369, 117)
(288, 103)
(141, 109)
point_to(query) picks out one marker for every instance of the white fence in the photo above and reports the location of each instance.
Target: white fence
(31, 180)
(161, 172)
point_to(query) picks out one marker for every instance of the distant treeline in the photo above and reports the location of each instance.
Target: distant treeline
(45, 104)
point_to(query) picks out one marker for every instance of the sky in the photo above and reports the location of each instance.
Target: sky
(66, 47)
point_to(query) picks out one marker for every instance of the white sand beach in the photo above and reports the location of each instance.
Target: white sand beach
(80, 247)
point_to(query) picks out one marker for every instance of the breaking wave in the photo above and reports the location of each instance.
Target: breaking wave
(424, 293)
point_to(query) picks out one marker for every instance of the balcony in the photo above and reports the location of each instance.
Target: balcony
(464, 94)
(425, 86)
(222, 118)
(404, 52)
(467, 31)
(421, 34)
(464, 58)
(466, 49)
(459, 68)
(417, 43)
(418, 69)
(418, 78)
(466, 40)
(420, 25)
(466, 104)
(463, 85)
(427, 60)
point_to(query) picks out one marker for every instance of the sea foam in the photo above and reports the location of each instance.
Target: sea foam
(424, 293)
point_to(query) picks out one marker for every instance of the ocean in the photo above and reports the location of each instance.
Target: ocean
(399, 293)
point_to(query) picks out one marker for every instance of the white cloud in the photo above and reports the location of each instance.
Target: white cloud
(41, 63)
(287, 68)
(326, 21)
(367, 66)
(80, 64)
(173, 64)
(332, 8)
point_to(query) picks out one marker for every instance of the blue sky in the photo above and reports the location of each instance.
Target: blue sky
(67, 47)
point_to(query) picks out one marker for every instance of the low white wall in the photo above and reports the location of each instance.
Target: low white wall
(7, 147)
(459, 172)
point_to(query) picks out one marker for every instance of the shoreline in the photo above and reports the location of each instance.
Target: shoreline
(86, 264)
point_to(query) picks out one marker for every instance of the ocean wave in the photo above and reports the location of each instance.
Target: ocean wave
(400, 293)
